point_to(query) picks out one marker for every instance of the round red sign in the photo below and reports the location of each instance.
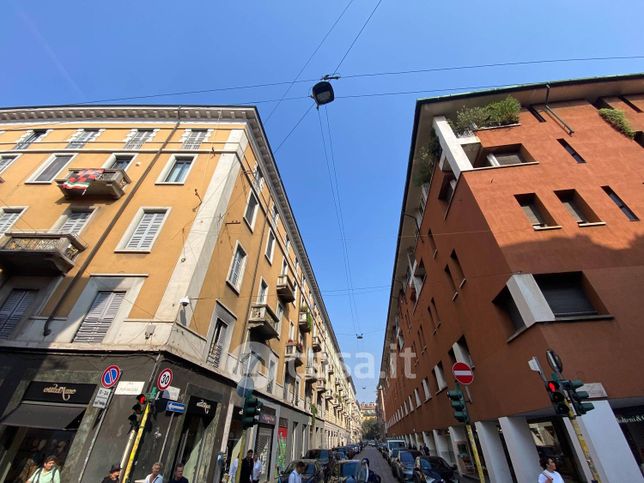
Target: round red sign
(164, 379)
(463, 373)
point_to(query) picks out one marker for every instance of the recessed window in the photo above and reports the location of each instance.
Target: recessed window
(262, 295)
(620, 204)
(30, 137)
(503, 156)
(433, 314)
(270, 246)
(82, 137)
(52, 167)
(146, 231)
(538, 116)
(426, 389)
(275, 216)
(251, 211)
(534, 210)
(6, 160)
(179, 169)
(120, 161)
(450, 280)
(432, 242)
(417, 397)
(565, 294)
(100, 316)
(505, 302)
(193, 138)
(448, 186)
(237, 266)
(439, 376)
(75, 221)
(258, 178)
(13, 309)
(577, 207)
(458, 270)
(570, 150)
(8, 216)
(138, 137)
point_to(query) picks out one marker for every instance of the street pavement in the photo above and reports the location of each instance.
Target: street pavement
(377, 463)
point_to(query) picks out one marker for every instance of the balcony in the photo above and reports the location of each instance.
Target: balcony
(320, 385)
(305, 321)
(94, 182)
(39, 253)
(317, 344)
(285, 289)
(311, 374)
(294, 353)
(262, 322)
(327, 395)
(331, 370)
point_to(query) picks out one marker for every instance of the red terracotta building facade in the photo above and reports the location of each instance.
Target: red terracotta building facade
(514, 240)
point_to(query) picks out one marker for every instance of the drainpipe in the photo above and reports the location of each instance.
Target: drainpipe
(99, 243)
(554, 114)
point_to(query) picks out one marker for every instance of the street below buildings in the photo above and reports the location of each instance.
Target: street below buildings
(377, 463)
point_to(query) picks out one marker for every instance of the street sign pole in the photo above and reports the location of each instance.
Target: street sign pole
(475, 452)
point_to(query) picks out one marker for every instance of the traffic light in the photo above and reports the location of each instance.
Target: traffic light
(578, 397)
(250, 412)
(137, 410)
(458, 404)
(557, 397)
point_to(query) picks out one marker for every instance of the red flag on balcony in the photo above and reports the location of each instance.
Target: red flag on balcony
(82, 179)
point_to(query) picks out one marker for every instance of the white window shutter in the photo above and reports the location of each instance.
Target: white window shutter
(146, 230)
(99, 317)
(13, 310)
(75, 222)
(7, 219)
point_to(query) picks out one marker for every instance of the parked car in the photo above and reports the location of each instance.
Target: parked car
(433, 469)
(390, 456)
(393, 444)
(313, 473)
(322, 456)
(346, 470)
(340, 455)
(403, 464)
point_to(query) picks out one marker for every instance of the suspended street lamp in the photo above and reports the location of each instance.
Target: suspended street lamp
(322, 92)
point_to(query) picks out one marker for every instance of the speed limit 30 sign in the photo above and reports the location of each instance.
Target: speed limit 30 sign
(164, 380)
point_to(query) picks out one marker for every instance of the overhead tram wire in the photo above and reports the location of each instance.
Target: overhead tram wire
(293, 129)
(308, 61)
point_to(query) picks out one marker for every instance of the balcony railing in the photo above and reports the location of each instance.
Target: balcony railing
(294, 352)
(285, 288)
(95, 182)
(311, 374)
(320, 385)
(263, 322)
(39, 253)
(316, 344)
(305, 321)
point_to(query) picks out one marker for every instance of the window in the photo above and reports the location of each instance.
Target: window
(272, 365)
(432, 242)
(284, 270)
(262, 295)
(13, 309)
(565, 294)
(504, 159)
(52, 167)
(503, 156)
(275, 216)
(288, 245)
(8, 216)
(258, 178)
(620, 204)
(426, 389)
(193, 138)
(215, 354)
(137, 138)
(439, 376)
(448, 187)
(505, 301)
(31, 137)
(458, 270)
(291, 331)
(433, 314)
(534, 211)
(6, 160)
(452, 285)
(270, 246)
(74, 221)
(147, 229)
(82, 137)
(251, 211)
(179, 169)
(571, 151)
(237, 267)
(462, 351)
(99, 317)
(577, 207)
(533, 110)
(120, 161)
(417, 396)
(279, 313)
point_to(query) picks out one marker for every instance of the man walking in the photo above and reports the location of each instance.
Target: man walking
(246, 469)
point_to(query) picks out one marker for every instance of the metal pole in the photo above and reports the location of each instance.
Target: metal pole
(475, 452)
(98, 429)
(128, 448)
(165, 439)
(137, 441)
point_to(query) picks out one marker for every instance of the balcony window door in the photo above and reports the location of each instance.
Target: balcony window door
(53, 166)
(121, 161)
(8, 217)
(216, 351)
(74, 221)
(13, 309)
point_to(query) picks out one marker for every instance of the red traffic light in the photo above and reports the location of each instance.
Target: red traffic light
(141, 399)
(552, 386)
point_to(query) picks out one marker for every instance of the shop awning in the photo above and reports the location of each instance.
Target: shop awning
(45, 416)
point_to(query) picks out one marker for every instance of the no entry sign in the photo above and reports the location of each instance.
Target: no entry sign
(463, 373)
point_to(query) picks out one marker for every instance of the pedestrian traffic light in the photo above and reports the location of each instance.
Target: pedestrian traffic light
(458, 404)
(137, 410)
(578, 397)
(250, 412)
(557, 397)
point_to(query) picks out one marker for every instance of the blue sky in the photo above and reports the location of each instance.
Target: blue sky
(67, 52)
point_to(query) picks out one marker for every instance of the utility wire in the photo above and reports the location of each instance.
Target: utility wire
(270, 114)
(355, 39)
(294, 128)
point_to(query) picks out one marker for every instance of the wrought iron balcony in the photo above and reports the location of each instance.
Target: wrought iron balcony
(316, 344)
(285, 288)
(305, 321)
(94, 182)
(294, 352)
(263, 322)
(39, 253)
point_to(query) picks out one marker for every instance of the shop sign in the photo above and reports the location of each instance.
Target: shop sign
(59, 392)
(129, 388)
(636, 418)
(267, 416)
(201, 406)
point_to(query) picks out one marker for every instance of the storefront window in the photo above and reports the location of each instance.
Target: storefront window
(199, 415)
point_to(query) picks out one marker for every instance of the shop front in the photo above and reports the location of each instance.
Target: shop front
(264, 440)
(631, 420)
(43, 424)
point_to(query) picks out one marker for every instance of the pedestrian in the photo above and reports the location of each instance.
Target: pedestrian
(296, 474)
(549, 475)
(425, 450)
(155, 476)
(47, 473)
(246, 470)
(232, 470)
(257, 470)
(113, 475)
(178, 475)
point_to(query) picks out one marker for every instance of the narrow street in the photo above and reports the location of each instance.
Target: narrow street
(377, 463)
